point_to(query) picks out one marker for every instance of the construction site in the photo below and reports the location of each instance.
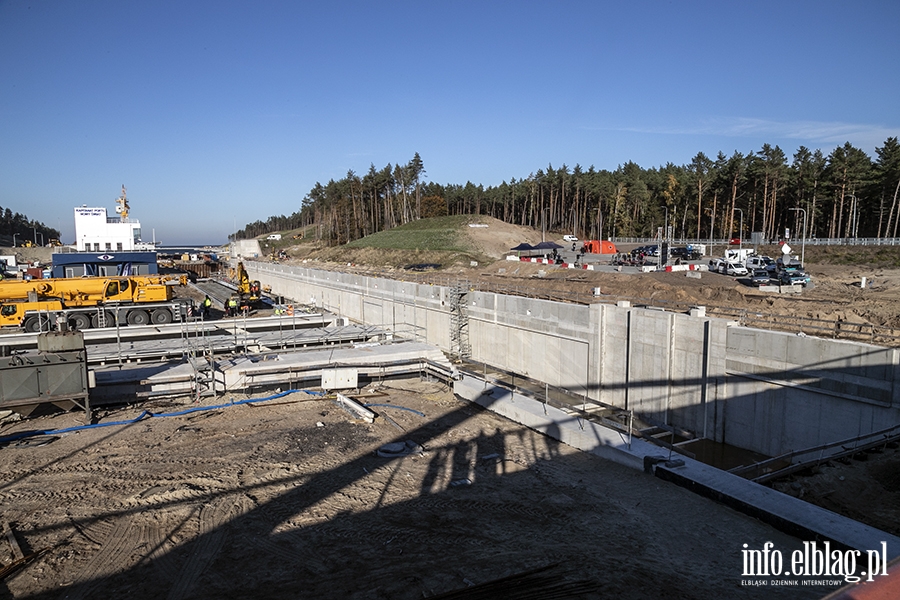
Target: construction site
(370, 436)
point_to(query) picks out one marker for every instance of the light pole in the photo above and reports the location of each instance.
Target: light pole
(803, 243)
(666, 226)
(741, 232)
(15, 235)
(42, 238)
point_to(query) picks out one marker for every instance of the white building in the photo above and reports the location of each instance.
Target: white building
(96, 232)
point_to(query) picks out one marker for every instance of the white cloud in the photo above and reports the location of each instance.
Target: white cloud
(814, 132)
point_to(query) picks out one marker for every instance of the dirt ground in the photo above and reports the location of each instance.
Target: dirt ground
(288, 499)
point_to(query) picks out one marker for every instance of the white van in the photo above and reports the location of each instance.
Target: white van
(274, 236)
(734, 269)
(570, 238)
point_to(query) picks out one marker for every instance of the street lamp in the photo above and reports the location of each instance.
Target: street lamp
(15, 235)
(666, 225)
(42, 238)
(803, 243)
(741, 232)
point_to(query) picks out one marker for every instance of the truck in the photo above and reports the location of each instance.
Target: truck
(87, 302)
(739, 255)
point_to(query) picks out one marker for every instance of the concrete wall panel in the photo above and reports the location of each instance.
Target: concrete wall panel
(762, 390)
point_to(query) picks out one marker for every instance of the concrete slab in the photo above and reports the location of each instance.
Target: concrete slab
(373, 361)
(276, 369)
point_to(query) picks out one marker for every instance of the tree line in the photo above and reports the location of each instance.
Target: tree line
(18, 227)
(842, 195)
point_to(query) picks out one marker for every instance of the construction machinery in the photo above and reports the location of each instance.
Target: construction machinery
(86, 302)
(248, 292)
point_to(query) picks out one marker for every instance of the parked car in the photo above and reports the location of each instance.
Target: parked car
(733, 269)
(685, 253)
(760, 277)
(793, 278)
(760, 262)
(570, 238)
(734, 242)
(715, 263)
(646, 251)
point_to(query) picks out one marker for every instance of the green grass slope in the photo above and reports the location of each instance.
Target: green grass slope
(439, 241)
(437, 234)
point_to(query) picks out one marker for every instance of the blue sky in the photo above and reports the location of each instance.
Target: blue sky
(216, 113)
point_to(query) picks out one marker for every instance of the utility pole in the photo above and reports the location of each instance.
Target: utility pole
(803, 243)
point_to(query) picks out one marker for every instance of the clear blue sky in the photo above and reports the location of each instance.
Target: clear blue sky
(218, 112)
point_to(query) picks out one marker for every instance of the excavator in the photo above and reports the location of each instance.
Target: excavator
(248, 293)
(86, 302)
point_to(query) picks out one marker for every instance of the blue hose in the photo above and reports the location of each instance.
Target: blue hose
(148, 414)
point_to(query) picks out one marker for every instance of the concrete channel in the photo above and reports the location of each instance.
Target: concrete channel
(765, 392)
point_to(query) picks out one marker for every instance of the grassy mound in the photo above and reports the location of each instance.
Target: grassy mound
(440, 242)
(438, 234)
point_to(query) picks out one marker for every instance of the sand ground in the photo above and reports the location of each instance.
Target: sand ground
(288, 499)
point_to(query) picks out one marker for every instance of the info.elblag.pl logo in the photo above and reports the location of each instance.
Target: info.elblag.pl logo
(814, 560)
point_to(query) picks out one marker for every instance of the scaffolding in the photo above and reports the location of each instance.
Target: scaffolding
(459, 321)
(198, 351)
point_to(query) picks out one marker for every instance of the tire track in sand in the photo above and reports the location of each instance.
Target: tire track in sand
(213, 518)
(116, 555)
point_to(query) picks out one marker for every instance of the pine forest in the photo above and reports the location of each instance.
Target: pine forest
(842, 195)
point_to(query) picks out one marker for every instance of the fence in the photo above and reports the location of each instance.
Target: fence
(808, 241)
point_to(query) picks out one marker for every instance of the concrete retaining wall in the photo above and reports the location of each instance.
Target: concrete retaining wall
(765, 391)
(786, 513)
(246, 249)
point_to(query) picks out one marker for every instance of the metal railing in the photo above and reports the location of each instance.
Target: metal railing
(869, 241)
(785, 464)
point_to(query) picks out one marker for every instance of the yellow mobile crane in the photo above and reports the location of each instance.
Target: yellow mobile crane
(82, 303)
